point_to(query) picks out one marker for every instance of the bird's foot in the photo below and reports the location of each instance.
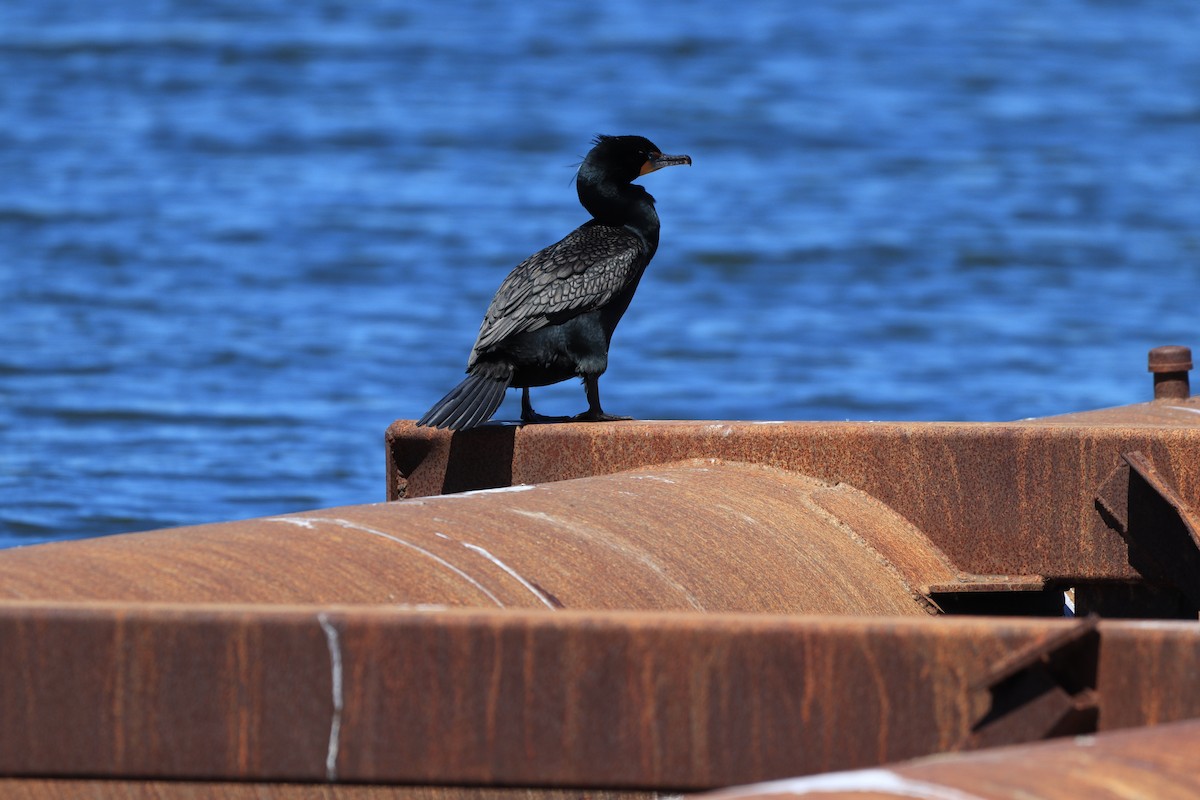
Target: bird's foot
(598, 416)
(534, 418)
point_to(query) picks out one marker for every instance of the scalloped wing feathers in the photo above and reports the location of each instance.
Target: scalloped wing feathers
(584, 271)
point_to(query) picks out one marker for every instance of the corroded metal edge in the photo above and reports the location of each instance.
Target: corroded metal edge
(515, 698)
(1160, 528)
(702, 535)
(997, 499)
(1153, 763)
(68, 789)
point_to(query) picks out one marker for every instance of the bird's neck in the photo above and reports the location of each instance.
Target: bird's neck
(621, 205)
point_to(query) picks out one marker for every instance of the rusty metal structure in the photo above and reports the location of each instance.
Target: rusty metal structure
(773, 541)
(624, 610)
(1145, 764)
(1019, 501)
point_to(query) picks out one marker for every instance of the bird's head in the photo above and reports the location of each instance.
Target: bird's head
(624, 158)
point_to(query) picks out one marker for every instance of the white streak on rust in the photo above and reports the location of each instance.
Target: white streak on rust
(302, 522)
(877, 781)
(623, 549)
(542, 515)
(536, 592)
(309, 522)
(335, 669)
(520, 487)
(735, 512)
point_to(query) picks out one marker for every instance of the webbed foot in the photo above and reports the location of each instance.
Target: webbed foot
(598, 416)
(534, 418)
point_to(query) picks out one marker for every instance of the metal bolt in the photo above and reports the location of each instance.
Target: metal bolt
(1170, 365)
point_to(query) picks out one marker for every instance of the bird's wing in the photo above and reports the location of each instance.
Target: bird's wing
(584, 271)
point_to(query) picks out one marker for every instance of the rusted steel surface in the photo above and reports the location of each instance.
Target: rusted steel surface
(1165, 413)
(1160, 528)
(1136, 659)
(1045, 690)
(702, 536)
(1011, 499)
(80, 789)
(517, 698)
(1157, 763)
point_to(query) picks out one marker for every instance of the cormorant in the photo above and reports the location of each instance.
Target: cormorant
(554, 315)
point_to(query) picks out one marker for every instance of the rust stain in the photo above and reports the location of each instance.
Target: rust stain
(479, 697)
(996, 499)
(1145, 764)
(653, 539)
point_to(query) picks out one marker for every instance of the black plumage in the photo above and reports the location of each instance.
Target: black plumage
(553, 317)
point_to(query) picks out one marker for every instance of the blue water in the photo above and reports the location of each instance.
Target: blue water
(237, 239)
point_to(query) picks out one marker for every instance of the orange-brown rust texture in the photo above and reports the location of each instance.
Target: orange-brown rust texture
(1157, 763)
(608, 700)
(698, 536)
(482, 697)
(1012, 498)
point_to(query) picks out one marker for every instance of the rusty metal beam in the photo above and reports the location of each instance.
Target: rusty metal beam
(1157, 763)
(82, 789)
(1002, 499)
(659, 538)
(1168, 412)
(1136, 658)
(474, 698)
(1045, 690)
(1159, 527)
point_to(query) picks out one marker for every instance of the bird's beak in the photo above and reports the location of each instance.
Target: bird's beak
(660, 160)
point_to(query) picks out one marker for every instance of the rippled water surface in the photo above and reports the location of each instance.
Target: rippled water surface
(239, 239)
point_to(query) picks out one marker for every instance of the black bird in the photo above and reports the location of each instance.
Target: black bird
(554, 315)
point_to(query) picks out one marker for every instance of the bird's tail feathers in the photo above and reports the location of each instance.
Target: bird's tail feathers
(470, 403)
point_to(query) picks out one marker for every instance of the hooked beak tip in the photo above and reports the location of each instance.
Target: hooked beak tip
(662, 160)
